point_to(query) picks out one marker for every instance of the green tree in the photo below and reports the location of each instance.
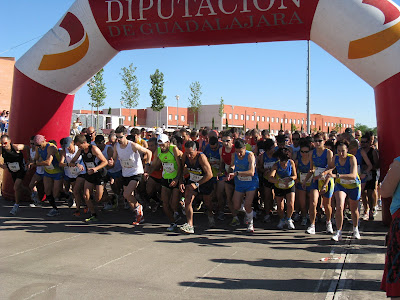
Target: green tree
(130, 95)
(221, 110)
(157, 92)
(213, 124)
(269, 127)
(194, 99)
(97, 92)
(226, 124)
(257, 125)
(364, 128)
(293, 127)
(109, 110)
(134, 120)
(281, 126)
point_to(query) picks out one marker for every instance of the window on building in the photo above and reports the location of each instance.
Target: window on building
(325, 124)
(252, 117)
(285, 120)
(314, 123)
(267, 119)
(230, 116)
(170, 117)
(277, 120)
(224, 116)
(302, 122)
(182, 118)
(129, 118)
(176, 117)
(258, 118)
(242, 117)
(247, 117)
(298, 121)
(236, 116)
(263, 119)
(272, 119)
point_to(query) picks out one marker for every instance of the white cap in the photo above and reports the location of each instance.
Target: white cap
(162, 138)
(159, 131)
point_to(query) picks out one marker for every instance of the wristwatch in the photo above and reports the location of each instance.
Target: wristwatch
(337, 175)
(197, 184)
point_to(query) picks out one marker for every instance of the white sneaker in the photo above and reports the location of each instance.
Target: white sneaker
(107, 206)
(281, 223)
(329, 228)
(14, 210)
(304, 221)
(356, 233)
(267, 218)
(290, 224)
(337, 236)
(186, 228)
(250, 227)
(53, 212)
(311, 229)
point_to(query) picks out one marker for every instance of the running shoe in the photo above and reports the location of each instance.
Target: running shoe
(70, 200)
(281, 223)
(35, 198)
(177, 217)
(183, 206)
(186, 228)
(86, 210)
(77, 213)
(108, 206)
(311, 229)
(304, 221)
(290, 224)
(337, 236)
(366, 216)
(221, 216)
(235, 221)
(356, 233)
(172, 227)
(329, 228)
(250, 227)
(371, 216)
(211, 221)
(139, 215)
(375, 211)
(115, 202)
(14, 210)
(267, 218)
(296, 217)
(91, 219)
(53, 212)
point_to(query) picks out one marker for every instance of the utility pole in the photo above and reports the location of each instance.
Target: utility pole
(308, 88)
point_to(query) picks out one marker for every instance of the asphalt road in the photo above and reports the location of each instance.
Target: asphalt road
(64, 258)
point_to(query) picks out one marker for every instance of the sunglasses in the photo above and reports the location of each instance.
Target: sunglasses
(226, 141)
(33, 144)
(304, 151)
(319, 141)
(119, 137)
(90, 133)
(5, 143)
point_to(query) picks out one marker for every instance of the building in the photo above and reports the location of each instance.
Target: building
(6, 81)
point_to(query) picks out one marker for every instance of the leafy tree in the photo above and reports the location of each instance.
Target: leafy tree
(157, 92)
(281, 126)
(130, 96)
(293, 128)
(226, 123)
(134, 120)
(194, 99)
(97, 92)
(109, 110)
(257, 125)
(221, 109)
(364, 128)
(213, 124)
(269, 127)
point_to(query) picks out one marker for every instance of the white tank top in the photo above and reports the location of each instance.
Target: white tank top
(39, 169)
(73, 172)
(130, 161)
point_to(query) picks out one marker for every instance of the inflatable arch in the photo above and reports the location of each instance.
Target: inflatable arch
(362, 34)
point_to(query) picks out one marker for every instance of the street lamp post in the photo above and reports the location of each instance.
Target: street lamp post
(177, 114)
(92, 85)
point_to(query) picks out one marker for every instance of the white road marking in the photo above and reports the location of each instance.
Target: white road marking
(116, 259)
(43, 291)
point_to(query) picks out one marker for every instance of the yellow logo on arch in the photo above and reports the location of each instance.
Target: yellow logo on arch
(66, 59)
(380, 41)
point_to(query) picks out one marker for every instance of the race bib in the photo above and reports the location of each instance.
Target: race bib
(227, 167)
(245, 178)
(347, 181)
(14, 166)
(127, 163)
(303, 177)
(51, 167)
(90, 165)
(74, 171)
(168, 167)
(268, 166)
(281, 185)
(214, 162)
(318, 171)
(195, 177)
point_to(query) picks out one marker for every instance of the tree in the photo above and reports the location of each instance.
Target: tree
(293, 128)
(281, 126)
(257, 125)
(221, 109)
(226, 124)
(130, 96)
(134, 120)
(213, 124)
(157, 91)
(269, 127)
(194, 99)
(364, 128)
(97, 92)
(109, 110)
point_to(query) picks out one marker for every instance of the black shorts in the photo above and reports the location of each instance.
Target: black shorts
(126, 180)
(95, 178)
(18, 175)
(231, 182)
(268, 184)
(167, 182)
(370, 184)
(69, 179)
(157, 180)
(204, 189)
(283, 192)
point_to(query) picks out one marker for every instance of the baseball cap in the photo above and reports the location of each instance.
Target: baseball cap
(99, 139)
(349, 130)
(162, 138)
(66, 142)
(159, 131)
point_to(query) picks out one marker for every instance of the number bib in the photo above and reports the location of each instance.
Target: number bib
(245, 178)
(303, 177)
(214, 163)
(90, 165)
(318, 171)
(14, 166)
(227, 167)
(74, 171)
(347, 181)
(127, 163)
(51, 167)
(268, 166)
(195, 177)
(168, 167)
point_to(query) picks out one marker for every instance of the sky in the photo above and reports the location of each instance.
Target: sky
(264, 75)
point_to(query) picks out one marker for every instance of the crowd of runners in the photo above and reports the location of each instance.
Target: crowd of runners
(233, 176)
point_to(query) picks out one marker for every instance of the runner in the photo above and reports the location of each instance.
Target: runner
(321, 161)
(347, 183)
(15, 164)
(169, 158)
(47, 155)
(73, 175)
(94, 177)
(38, 176)
(132, 169)
(283, 175)
(243, 169)
(265, 162)
(303, 166)
(199, 183)
(153, 184)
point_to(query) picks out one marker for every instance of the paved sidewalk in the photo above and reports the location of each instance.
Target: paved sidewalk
(64, 258)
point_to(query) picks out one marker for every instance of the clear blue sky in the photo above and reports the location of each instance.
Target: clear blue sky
(266, 75)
